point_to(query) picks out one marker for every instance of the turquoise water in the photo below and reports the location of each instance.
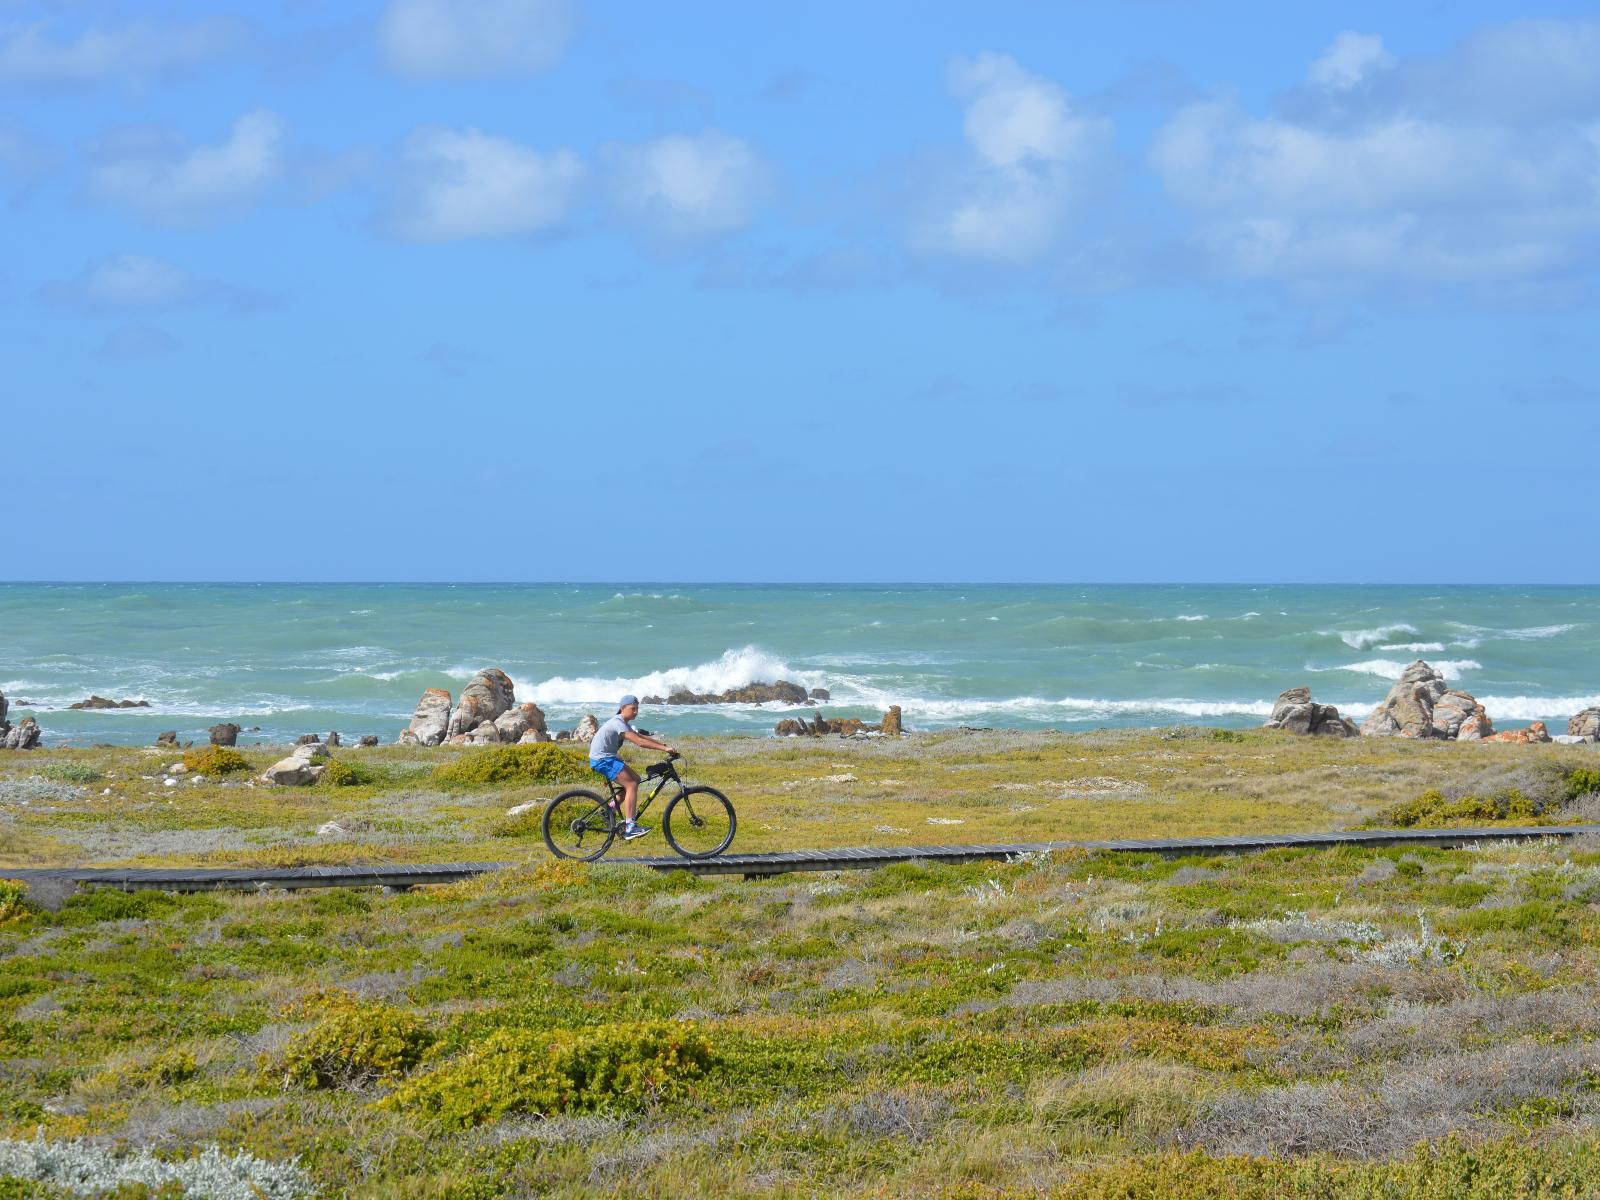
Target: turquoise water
(293, 659)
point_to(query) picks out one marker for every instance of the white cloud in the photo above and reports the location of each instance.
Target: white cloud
(1375, 172)
(461, 183)
(137, 282)
(29, 54)
(451, 39)
(1033, 156)
(163, 180)
(684, 187)
(128, 281)
(1350, 58)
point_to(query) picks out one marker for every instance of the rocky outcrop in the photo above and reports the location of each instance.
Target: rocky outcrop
(1585, 725)
(102, 702)
(169, 737)
(488, 695)
(532, 736)
(430, 722)
(1422, 705)
(586, 729)
(5, 726)
(821, 694)
(891, 722)
(301, 769)
(24, 735)
(308, 739)
(822, 726)
(518, 720)
(332, 739)
(225, 734)
(781, 692)
(368, 739)
(1533, 733)
(1296, 712)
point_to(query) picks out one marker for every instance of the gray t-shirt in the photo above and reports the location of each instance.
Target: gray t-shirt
(608, 738)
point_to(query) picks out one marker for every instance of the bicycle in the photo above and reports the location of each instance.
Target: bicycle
(698, 821)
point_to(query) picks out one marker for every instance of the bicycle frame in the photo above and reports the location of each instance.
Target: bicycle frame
(669, 775)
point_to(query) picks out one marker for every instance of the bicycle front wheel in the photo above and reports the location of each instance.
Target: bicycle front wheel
(699, 822)
(578, 824)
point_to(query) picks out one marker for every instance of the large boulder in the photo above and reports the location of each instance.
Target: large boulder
(1585, 725)
(488, 695)
(891, 722)
(1296, 712)
(586, 729)
(102, 702)
(1458, 715)
(24, 735)
(518, 720)
(301, 769)
(532, 736)
(779, 692)
(431, 720)
(1533, 733)
(225, 734)
(1422, 705)
(483, 733)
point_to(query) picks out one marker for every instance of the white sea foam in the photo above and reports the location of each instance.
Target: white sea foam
(1536, 708)
(1190, 617)
(1393, 668)
(1413, 648)
(1362, 639)
(1532, 633)
(735, 668)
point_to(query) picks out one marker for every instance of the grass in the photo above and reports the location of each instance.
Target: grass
(1345, 1022)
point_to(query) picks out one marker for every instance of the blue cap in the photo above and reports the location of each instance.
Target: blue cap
(625, 701)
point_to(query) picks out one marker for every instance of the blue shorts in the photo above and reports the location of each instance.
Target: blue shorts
(610, 766)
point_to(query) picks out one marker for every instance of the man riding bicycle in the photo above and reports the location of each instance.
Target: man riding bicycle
(603, 758)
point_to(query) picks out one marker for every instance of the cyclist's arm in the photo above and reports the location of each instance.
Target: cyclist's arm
(649, 743)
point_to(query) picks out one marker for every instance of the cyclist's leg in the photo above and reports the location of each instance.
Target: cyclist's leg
(629, 783)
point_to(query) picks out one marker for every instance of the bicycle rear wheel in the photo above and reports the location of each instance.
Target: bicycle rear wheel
(699, 822)
(578, 824)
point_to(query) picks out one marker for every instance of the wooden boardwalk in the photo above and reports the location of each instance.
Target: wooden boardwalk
(756, 866)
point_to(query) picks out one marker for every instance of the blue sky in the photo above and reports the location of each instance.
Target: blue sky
(568, 289)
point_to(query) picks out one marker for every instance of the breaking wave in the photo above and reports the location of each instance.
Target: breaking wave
(735, 668)
(1393, 668)
(1363, 639)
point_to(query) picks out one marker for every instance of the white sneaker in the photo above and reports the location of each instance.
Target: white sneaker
(629, 832)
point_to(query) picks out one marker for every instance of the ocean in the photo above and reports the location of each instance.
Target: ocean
(287, 659)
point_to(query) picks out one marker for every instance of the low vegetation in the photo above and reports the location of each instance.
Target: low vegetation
(540, 762)
(1399, 1022)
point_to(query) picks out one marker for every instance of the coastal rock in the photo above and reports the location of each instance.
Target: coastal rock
(488, 695)
(821, 726)
(4, 727)
(431, 719)
(586, 729)
(820, 694)
(167, 737)
(523, 718)
(891, 722)
(780, 692)
(789, 727)
(102, 702)
(300, 769)
(225, 734)
(483, 733)
(368, 739)
(1533, 733)
(308, 739)
(24, 735)
(1585, 725)
(1296, 712)
(1408, 709)
(407, 738)
(532, 736)
(332, 739)
(1456, 712)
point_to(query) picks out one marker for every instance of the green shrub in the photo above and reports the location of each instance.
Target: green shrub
(354, 1044)
(1432, 810)
(14, 902)
(215, 760)
(525, 1071)
(1581, 781)
(537, 762)
(70, 772)
(343, 773)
